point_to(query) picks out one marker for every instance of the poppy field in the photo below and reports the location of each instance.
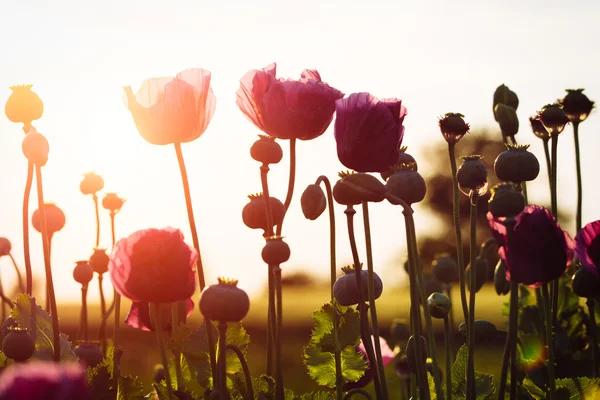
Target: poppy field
(546, 281)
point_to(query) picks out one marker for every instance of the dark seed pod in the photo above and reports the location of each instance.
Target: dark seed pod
(276, 251)
(406, 184)
(439, 305)
(445, 269)
(507, 119)
(83, 272)
(411, 354)
(431, 285)
(92, 183)
(585, 283)
(266, 150)
(505, 201)
(481, 273)
(472, 174)
(354, 188)
(554, 118)
(254, 214)
(313, 202)
(18, 345)
(503, 95)
(399, 331)
(224, 302)
(577, 106)
(482, 328)
(403, 158)
(89, 353)
(8, 325)
(345, 289)
(99, 261)
(501, 284)
(538, 128)
(23, 105)
(453, 127)
(517, 164)
(402, 369)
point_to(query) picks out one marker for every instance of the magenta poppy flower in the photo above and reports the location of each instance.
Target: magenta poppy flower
(369, 132)
(587, 247)
(539, 250)
(387, 355)
(173, 109)
(44, 380)
(154, 266)
(285, 108)
(139, 316)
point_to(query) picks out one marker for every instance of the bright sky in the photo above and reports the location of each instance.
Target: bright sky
(437, 56)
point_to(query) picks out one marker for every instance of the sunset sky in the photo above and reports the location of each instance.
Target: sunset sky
(437, 56)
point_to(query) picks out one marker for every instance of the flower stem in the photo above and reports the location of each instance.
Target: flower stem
(291, 181)
(3, 303)
(507, 351)
(19, 276)
(354, 391)
(95, 198)
(222, 365)
(548, 164)
(578, 167)
(47, 266)
(364, 321)
(332, 254)
(471, 331)
(102, 312)
(448, 359)
(176, 353)
(549, 341)
(512, 336)
(158, 325)
(245, 369)
(458, 233)
(84, 313)
(116, 295)
(371, 293)
(554, 198)
(279, 389)
(593, 334)
(26, 252)
(451, 313)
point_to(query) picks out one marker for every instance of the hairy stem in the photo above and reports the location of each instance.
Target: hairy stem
(448, 359)
(471, 331)
(102, 312)
(245, 369)
(332, 254)
(84, 313)
(291, 181)
(97, 210)
(279, 388)
(156, 315)
(222, 364)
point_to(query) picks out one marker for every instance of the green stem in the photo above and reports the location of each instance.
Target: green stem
(513, 330)
(371, 294)
(19, 276)
(97, 210)
(451, 313)
(507, 352)
(279, 388)
(593, 334)
(364, 321)
(26, 252)
(548, 164)
(222, 365)
(554, 198)
(47, 266)
(245, 369)
(458, 233)
(158, 326)
(473, 289)
(84, 313)
(549, 341)
(291, 182)
(332, 254)
(176, 353)
(102, 312)
(579, 181)
(339, 379)
(448, 359)
(354, 391)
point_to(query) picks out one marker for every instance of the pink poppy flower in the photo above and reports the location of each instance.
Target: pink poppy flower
(285, 108)
(139, 316)
(587, 247)
(369, 132)
(387, 356)
(173, 109)
(154, 266)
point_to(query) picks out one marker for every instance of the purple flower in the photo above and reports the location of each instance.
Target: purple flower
(44, 380)
(539, 250)
(387, 356)
(139, 316)
(587, 247)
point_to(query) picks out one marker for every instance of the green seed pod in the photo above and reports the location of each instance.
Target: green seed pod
(411, 354)
(554, 118)
(89, 353)
(18, 345)
(313, 202)
(403, 158)
(585, 283)
(503, 95)
(345, 289)
(254, 213)
(472, 174)
(276, 251)
(501, 284)
(406, 184)
(99, 261)
(453, 127)
(505, 201)
(266, 150)
(83, 272)
(516, 164)
(577, 106)
(439, 305)
(354, 188)
(224, 302)
(445, 269)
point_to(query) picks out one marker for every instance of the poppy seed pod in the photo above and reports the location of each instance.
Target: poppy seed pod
(5, 246)
(472, 174)
(507, 119)
(445, 269)
(503, 95)
(89, 353)
(538, 128)
(276, 251)
(411, 354)
(23, 105)
(399, 330)
(313, 202)
(406, 184)
(55, 219)
(224, 302)
(35, 147)
(18, 345)
(577, 106)
(501, 284)
(266, 150)
(481, 268)
(403, 158)
(99, 261)
(516, 164)
(453, 127)
(345, 287)
(554, 118)
(7, 325)
(585, 283)
(505, 201)
(354, 188)
(112, 202)
(83, 272)
(92, 183)
(439, 305)
(482, 328)
(254, 213)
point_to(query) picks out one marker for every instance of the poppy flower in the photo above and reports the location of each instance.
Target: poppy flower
(154, 265)
(44, 380)
(387, 355)
(139, 316)
(173, 109)
(539, 250)
(286, 108)
(587, 247)
(368, 132)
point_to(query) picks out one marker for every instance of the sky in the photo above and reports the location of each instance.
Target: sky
(436, 56)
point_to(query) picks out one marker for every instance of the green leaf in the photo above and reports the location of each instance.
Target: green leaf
(3, 361)
(236, 336)
(130, 388)
(484, 387)
(531, 320)
(190, 377)
(264, 385)
(100, 379)
(321, 365)
(317, 396)
(40, 329)
(534, 391)
(579, 388)
(431, 385)
(568, 301)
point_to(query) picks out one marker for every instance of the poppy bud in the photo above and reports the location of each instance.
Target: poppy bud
(503, 95)
(92, 183)
(55, 219)
(445, 269)
(5, 246)
(89, 354)
(406, 184)
(23, 105)
(439, 305)
(35, 147)
(8, 325)
(112, 202)
(585, 283)
(159, 373)
(577, 106)
(83, 272)
(453, 127)
(276, 251)
(516, 164)
(345, 287)
(399, 330)
(411, 354)
(507, 118)
(99, 261)
(313, 202)
(480, 274)
(482, 328)
(402, 369)
(505, 201)
(472, 174)
(501, 284)
(254, 213)
(354, 188)
(18, 345)
(554, 118)
(224, 302)
(538, 128)
(403, 158)
(266, 150)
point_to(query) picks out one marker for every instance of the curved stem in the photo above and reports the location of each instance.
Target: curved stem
(84, 313)
(158, 325)
(222, 365)
(245, 369)
(19, 276)
(578, 168)
(26, 252)
(471, 331)
(357, 391)
(593, 334)
(332, 254)
(371, 293)
(364, 322)
(102, 333)
(47, 266)
(95, 198)
(549, 341)
(291, 182)
(449, 359)
(279, 389)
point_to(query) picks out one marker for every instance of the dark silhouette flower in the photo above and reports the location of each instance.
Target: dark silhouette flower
(577, 105)
(369, 132)
(538, 128)
(453, 127)
(139, 316)
(539, 250)
(587, 247)
(286, 108)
